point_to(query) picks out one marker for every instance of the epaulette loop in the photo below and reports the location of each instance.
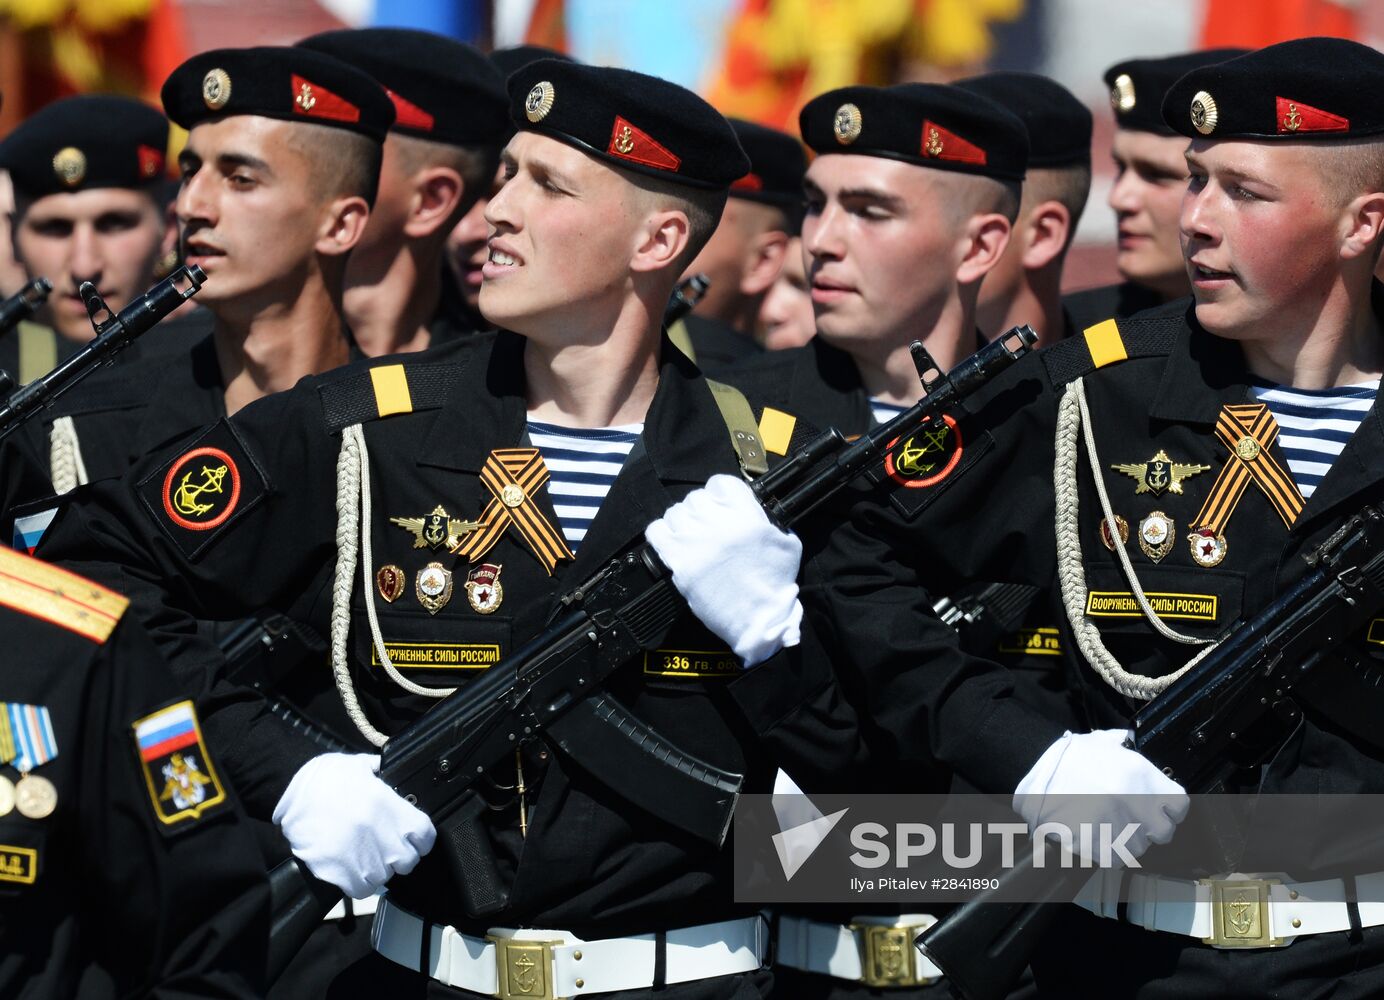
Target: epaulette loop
(385, 390)
(1108, 343)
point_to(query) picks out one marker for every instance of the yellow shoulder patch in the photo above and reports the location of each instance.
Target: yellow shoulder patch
(41, 590)
(776, 430)
(391, 390)
(1105, 343)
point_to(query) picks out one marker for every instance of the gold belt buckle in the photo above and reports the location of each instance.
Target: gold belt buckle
(1240, 913)
(889, 957)
(524, 969)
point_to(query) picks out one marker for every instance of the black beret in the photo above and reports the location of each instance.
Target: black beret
(1059, 126)
(1138, 86)
(636, 122)
(92, 141)
(777, 165)
(1319, 89)
(442, 89)
(929, 124)
(510, 60)
(292, 84)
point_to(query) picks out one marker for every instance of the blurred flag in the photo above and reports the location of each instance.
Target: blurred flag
(466, 20)
(780, 53)
(1256, 23)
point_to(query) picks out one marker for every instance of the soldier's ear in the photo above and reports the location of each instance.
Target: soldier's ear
(661, 240)
(342, 225)
(1364, 225)
(436, 193)
(985, 237)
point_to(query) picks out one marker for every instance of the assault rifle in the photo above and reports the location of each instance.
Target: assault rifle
(113, 335)
(17, 308)
(685, 298)
(551, 688)
(1231, 711)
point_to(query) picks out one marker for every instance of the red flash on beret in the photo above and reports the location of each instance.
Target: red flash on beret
(629, 143)
(1294, 116)
(408, 114)
(150, 161)
(316, 101)
(940, 144)
(750, 182)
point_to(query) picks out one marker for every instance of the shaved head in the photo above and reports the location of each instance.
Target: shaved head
(344, 164)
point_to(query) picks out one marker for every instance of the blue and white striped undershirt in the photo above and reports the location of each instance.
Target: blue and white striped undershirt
(582, 465)
(884, 412)
(1315, 424)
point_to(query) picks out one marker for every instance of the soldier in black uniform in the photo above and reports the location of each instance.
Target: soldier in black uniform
(746, 253)
(440, 157)
(1229, 435)
(1026, 285)
(86, 172)
(277, 181)
(433, 511)
(1150, 177)
(126, 868)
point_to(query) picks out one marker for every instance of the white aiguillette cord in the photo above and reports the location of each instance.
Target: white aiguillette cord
(1071, 571)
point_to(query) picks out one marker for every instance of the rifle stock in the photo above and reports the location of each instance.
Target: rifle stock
(1231, 711)
(550, 687)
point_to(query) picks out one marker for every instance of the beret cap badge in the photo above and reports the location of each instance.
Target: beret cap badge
(1205, 113)
(70, 165)
(540, 101)
(847, 124)
(216, 89)
(1122, 93)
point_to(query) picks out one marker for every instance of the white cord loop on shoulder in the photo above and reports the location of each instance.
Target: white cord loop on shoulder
(65, 465)
(353, 541)
(1071, 570)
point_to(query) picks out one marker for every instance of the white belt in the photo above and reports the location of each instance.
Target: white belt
(556, 964)
(359, 907)
(1235, 912)
(876, 951)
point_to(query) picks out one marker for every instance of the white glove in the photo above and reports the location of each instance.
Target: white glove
(737, 571)
(348, 826)
(1094, 778)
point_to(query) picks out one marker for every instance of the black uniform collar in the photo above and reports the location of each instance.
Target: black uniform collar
(847, 406)
(1203, 373)
(189, 394)
(683, 432)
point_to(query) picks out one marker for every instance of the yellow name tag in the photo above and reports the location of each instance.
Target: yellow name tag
(18, 864)
(691, 663)
(439, 655)
(1032, 642)
(1121, 604)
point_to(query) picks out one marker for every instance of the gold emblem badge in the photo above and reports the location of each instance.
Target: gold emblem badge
(1156, 535)
(1247, 448)
(1159, 474)
(389, 581)
(1122, 93)
(847, 124)
(483, 588)
(539, 101)
(216, 89)
(1208, 548)
(1205, 114)
(437, 530)
(70, 164)
(1121, 525)
(512, 495)
(1292, 121)
(624, 143)
(305, 100)
(934, 144)
(433, 587)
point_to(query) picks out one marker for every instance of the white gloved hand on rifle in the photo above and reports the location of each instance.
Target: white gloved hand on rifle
(737, 571)
(348, 826)
(1093, 778)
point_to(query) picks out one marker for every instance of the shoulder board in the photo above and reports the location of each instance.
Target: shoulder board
(1108, 343)
(42, 590)
(385, 390)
